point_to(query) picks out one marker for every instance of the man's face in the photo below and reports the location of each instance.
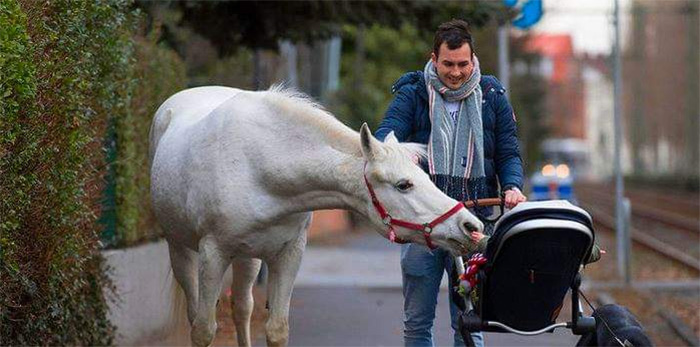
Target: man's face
(454, 66)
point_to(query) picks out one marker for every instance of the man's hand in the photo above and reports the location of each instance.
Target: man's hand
(513, 197)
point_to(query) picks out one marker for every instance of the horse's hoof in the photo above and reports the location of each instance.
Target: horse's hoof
(202, 335)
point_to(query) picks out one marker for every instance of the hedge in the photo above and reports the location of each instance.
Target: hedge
(158, 73)
(66, 77)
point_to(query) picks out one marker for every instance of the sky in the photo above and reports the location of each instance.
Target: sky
(589, 22)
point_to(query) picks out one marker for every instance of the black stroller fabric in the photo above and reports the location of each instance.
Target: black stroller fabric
(530, 270)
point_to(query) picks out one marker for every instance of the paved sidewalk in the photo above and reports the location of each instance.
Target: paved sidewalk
(366, 261)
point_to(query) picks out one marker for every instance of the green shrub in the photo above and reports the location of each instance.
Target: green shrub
(157, 73)
(63, 74)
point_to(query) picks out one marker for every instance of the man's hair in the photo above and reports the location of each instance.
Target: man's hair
(455, 33)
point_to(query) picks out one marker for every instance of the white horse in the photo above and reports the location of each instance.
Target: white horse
(235, 175)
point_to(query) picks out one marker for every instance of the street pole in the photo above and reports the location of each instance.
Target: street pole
(288, 51)
(621, 229)
(503, 63)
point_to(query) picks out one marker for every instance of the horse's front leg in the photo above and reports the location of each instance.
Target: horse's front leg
(212, 265)
(282, 271)
(245, 272)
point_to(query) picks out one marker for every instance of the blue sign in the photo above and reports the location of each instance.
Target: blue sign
(530, 12)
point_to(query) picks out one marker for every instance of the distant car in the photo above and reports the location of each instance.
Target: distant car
(552, 182)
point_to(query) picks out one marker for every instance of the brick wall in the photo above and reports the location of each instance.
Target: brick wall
(329, 222)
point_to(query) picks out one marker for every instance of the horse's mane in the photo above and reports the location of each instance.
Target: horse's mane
(302, 107)
(413, 149)
(280, 93)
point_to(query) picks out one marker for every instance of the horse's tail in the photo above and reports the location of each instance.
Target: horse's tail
(160, 123)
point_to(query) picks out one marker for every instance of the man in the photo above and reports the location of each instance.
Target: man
(469, 127)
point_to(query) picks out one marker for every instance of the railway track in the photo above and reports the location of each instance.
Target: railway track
(669, 226)
(662, 224)
(678, 212)
(684, 203)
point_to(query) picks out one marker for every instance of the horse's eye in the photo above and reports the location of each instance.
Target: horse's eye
(403, 185)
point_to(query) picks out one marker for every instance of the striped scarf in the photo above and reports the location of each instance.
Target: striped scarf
(456, 151)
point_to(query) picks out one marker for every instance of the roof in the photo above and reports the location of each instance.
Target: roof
(551, 45)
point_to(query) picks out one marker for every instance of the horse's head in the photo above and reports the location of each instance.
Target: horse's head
(407, 194)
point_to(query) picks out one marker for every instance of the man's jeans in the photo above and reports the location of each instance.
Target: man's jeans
(422, 272)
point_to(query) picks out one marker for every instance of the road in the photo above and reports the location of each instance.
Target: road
(351, 296)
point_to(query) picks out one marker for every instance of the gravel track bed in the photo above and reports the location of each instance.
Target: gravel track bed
(648, 266)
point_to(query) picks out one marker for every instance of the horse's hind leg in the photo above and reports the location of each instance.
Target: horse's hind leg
(184, 264)
(212, 265)
(244, 274)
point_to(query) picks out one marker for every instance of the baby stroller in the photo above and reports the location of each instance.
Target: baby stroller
(532, 259)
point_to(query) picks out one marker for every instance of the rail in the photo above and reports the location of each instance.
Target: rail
(684, 229)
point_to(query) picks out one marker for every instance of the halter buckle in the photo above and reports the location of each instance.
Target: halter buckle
(427, 228)
(387, 220)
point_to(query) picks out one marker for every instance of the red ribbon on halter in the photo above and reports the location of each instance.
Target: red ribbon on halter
(390, 222)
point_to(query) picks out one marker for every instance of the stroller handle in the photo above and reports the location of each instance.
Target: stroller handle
(484, 202)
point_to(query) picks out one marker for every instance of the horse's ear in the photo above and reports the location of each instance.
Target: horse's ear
(368, 143)
(391, 138)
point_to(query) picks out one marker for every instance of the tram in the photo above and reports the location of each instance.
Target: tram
(564, 160)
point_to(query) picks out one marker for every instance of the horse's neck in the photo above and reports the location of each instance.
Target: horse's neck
(323, 177)
(345, 183)
(336, 182)
(324, 169)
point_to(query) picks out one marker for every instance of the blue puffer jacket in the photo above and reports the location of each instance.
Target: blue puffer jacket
(408, 117)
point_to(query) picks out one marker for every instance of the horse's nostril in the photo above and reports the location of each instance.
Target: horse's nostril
(470, 227)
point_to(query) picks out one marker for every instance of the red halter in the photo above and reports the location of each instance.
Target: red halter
(390, 222)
